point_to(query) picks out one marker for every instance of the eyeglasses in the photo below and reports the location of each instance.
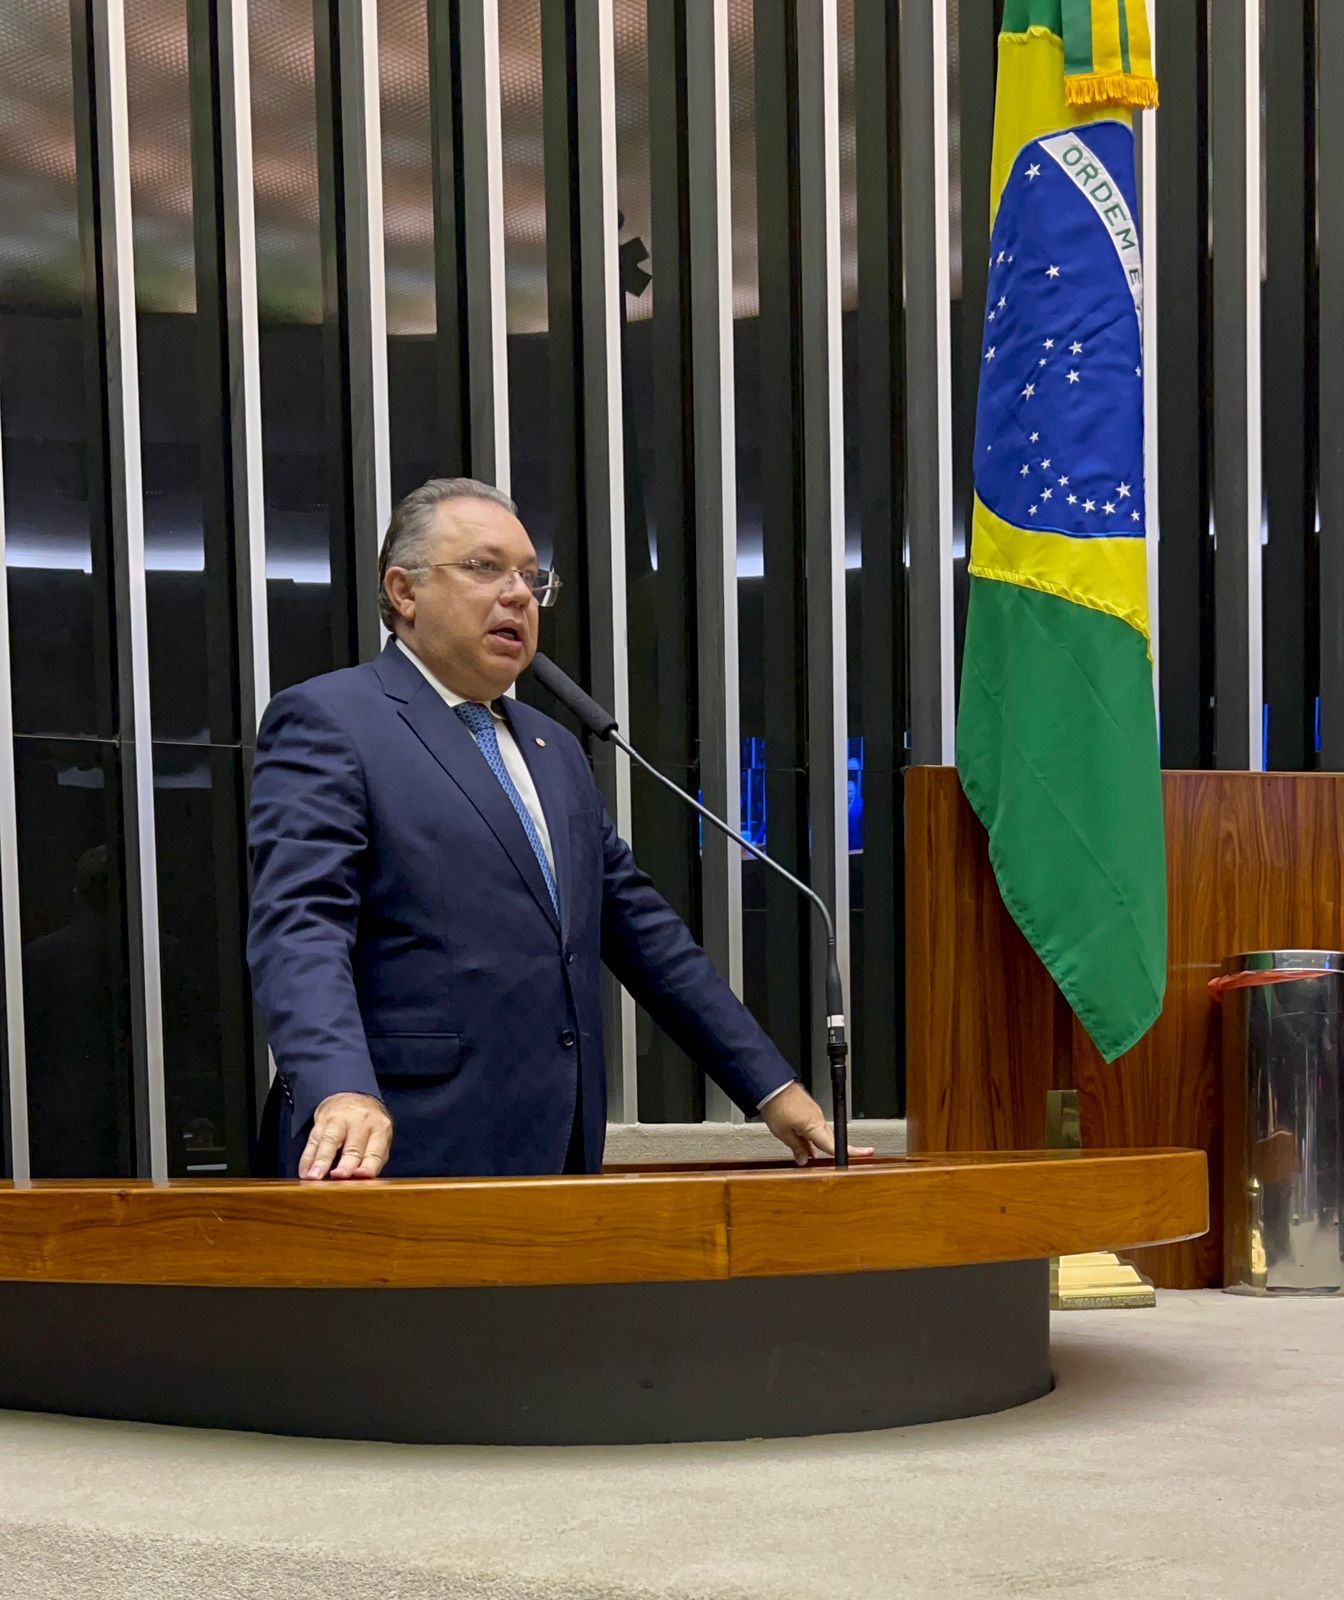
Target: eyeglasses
(542, 581)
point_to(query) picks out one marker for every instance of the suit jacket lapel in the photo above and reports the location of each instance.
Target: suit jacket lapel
(448, 740)
(542, 756)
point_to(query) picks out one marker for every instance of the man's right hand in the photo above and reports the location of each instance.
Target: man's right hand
(355, 1127)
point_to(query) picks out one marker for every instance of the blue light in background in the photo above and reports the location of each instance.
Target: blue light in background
(753, 792)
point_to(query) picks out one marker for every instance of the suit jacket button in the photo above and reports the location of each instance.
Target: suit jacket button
(570, 958)
(567, 1039)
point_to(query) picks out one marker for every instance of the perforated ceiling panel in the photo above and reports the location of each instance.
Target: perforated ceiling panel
(39, 234)
(284, 159)
(37, 154)
(159, 108)
(524, 175)
(408, 170)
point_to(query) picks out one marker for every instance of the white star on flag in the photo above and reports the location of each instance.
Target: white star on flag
(1003, 302)
(1073, 376)
(1033, 171)
(1138, 372)
(989, 354)
(1031, 511)
(1042, 361)
(1047, 494)
(1029, 391)
(1026, 471)
(1034, 438)
(1045, 465)
(1123, 491)
(1133, 516)
(1073, 499)
(1075, 349)
(1064, 482)
(1000, 260)
(1049, 344)
(1109, 509)
(992, 315)
(1089, 505)
(1052, 272)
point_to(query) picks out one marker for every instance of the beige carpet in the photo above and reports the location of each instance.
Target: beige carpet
(1195, 1450)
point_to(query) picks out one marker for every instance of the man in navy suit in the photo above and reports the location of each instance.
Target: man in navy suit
(436, 885)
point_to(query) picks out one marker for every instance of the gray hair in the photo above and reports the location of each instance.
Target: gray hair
(409, 540)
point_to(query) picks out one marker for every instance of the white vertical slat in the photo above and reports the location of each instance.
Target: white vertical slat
(1254, 432)
(599, 248)
(943, 284)
(926, 232)
(838, 664)
(122, 334)
(710, 147)
(11, 931)
(492, 134)
(247, 443)
(377, 276)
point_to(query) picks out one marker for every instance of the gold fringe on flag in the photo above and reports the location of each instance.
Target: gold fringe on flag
(1112, 89)
(1108, 54)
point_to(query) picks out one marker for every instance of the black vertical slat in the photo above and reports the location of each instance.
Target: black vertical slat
(343, 182)
(88, 198)
(1290, 381)
(228, 602)
(1230, 152)
(212, 372)
(1330, 138)
(220, 186)
(110, 546)
(1184, 385)
(825, 712)
(879, 421)
(662, 604)
(923, 444)
(787, 1008)
(602, 495)
(565, 627)
(452, 443)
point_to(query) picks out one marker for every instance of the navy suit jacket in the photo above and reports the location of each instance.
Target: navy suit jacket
(403, 943)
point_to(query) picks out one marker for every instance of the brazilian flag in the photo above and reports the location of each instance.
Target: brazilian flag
(1056, 730)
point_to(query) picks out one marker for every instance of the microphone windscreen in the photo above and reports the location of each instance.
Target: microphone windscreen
(574, 699)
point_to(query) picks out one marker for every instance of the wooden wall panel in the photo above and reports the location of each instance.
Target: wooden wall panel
(1254, 861)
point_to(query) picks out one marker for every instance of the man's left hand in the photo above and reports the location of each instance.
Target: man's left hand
(796, 1120)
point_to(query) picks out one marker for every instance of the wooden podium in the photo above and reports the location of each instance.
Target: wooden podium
(642, 1305)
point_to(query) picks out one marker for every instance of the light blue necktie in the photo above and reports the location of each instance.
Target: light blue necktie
(481, 725)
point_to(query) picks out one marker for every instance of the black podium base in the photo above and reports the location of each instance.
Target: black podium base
(611, 1364)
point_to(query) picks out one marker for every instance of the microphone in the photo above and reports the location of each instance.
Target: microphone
(599, 721)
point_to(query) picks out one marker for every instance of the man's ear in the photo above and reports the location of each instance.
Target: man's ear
(400, 591)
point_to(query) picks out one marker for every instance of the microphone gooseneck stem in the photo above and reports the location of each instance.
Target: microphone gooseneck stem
(837, 1048)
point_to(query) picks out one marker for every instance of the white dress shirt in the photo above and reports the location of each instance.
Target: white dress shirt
(517, 770)
(514, 764)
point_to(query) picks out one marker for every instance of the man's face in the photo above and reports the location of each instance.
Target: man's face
(476, 634)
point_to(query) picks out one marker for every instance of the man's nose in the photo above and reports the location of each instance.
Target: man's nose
(516, 592)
